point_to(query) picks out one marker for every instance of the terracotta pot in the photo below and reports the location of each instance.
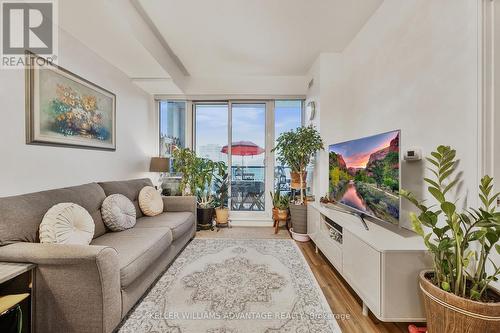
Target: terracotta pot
(295, 180)
(449, 313)
(282, 214)
(221, 215)
(275, 213)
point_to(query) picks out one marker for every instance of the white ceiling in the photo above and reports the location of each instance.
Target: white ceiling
(97, 25)
(175, 46)
(256, 37)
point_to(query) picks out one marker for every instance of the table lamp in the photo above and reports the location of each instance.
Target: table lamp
(161, 165)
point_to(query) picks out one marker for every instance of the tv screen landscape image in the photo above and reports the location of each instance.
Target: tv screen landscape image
(364, 175)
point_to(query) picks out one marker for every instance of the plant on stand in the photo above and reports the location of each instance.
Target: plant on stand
(295, 149)
(457, 290)
(281, 204)
(221, 185)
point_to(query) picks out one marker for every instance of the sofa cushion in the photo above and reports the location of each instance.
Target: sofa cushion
(150, 201)
(118, 212)
(20, 216)
(137, 249)
(178, 222)
(67, 223)
(129, 188)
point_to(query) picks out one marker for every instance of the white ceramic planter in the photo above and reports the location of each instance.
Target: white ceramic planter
(299, 237)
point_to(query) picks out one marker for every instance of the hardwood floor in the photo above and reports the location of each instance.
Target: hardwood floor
(342, 299)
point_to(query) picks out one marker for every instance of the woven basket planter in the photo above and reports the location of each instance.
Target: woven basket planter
(449, 313)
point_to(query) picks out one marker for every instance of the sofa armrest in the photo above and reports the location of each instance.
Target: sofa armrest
(77, 287)
(180, 204)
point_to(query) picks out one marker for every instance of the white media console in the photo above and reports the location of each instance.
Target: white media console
(381, 264)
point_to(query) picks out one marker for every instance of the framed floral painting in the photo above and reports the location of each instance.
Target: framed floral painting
(66, 110)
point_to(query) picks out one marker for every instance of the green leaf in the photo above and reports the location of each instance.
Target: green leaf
(492, 236)
(475, 235)
(497, 247)
(445, 286)
(465, 218)
(450, 186)
(431, 182)
(445, 175)
(434, 172)
(416, 224)
(432, 161)
(446, 167)
(474, 295)
(483, 200)
(436, 155)
(448, 208)
(444, 244)
(436, 194)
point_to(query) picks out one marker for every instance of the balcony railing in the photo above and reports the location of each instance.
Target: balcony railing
(248, 186)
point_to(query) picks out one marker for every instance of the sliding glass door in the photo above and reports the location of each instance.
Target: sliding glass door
(236, 134)
(248, 156)
(242, 135)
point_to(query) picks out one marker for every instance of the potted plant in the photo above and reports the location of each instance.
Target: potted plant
(296, 148)
(457, 292)
(281, 205)
(204, 171)
(197, 180)
(221, 185)
(185, 163)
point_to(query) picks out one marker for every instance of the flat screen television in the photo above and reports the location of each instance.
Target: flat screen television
(364, 175)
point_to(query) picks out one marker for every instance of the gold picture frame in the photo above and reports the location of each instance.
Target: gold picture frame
(64, 109)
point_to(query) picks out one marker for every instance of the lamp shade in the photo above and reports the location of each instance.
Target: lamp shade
(159, 164)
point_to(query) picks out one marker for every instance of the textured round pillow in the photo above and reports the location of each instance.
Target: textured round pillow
(150, 201)
(67, 223)
(118, 212)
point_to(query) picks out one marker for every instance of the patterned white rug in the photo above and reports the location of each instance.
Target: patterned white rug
(235, 286)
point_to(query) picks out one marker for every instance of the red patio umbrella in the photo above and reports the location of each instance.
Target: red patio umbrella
(243, 148)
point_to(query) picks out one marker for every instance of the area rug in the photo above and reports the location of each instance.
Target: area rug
(235, 286)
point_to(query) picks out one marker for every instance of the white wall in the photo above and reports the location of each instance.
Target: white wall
(413, 67)
(26, 168)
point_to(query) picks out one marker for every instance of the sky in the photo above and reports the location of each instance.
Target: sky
(357, 152)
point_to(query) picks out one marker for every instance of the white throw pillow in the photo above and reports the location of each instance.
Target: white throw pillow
(150, 201)
(118, 212)
(67, 223)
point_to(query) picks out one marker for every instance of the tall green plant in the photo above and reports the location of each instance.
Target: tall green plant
(197, 174)
(185, 163)
(460, 242)
(221, 185)
(297, 147)
(204, 171)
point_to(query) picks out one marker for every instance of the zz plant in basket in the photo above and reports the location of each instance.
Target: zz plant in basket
(457, 293)
(461, 246)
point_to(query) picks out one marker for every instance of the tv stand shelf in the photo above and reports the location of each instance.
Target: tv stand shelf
(381, 264)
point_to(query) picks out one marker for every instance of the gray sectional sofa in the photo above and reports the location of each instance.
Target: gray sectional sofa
(90, 288)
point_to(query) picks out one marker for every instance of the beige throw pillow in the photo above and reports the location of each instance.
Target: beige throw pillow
(150, 201)
(67, 223)
(118, 212)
